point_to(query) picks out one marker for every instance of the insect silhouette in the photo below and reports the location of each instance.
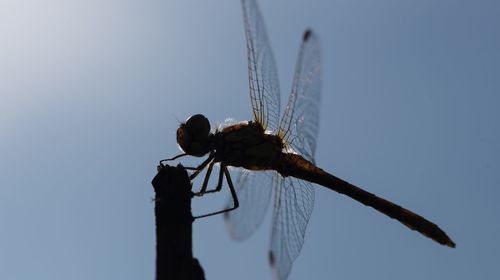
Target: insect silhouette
(278, 154)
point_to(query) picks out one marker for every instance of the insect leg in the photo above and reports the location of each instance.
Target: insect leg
(219, 183)
(200, 167)
(236, 204)
(174, 158)
(203, 189)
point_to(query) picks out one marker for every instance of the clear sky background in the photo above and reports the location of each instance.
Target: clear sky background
(91, 93)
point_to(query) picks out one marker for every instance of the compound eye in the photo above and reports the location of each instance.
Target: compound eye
(198, 126)
(193, 136)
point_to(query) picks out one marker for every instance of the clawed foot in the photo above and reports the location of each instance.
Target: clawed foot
(198, 194)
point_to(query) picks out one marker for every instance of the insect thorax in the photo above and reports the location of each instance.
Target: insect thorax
(247, 145)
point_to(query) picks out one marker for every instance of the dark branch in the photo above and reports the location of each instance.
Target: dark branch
(174, 254)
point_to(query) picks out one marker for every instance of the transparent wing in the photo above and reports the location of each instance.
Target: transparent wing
(262, 74)
(299, 125)
(293, 206)
(254, 191)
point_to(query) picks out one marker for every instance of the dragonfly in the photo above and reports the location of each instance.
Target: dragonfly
(277, 155)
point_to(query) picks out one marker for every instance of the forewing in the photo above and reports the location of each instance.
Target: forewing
(300, 121)
(254, 191)
(262, 74)
(293, 206)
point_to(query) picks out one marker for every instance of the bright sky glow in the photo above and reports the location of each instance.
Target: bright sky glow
(90, 94)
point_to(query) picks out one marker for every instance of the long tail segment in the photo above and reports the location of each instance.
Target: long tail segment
(298, 167)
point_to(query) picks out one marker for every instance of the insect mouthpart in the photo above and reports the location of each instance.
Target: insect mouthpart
(193, 135)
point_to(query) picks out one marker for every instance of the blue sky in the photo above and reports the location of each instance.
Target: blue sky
(91, 93)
